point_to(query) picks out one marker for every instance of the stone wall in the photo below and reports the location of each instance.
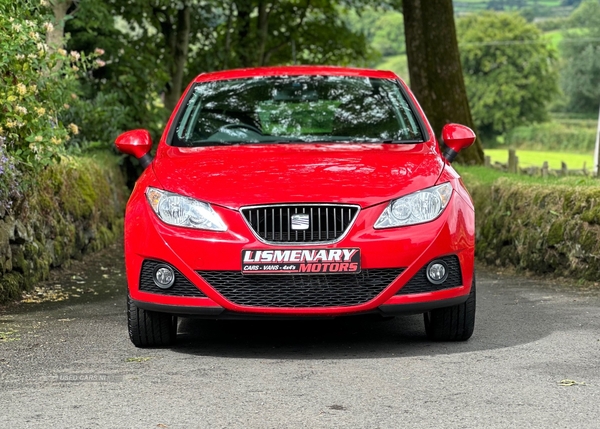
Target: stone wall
(540, 228)
(71, 208)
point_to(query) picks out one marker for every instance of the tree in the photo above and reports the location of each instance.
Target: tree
(158, 46)
(580, 75)
(55, 34)
(165, 29)
(434, 67)
(389, 34)
(509, 71)
(383, 28)
(253, 33)
(202, 35)
(36, 83)
(131, 80)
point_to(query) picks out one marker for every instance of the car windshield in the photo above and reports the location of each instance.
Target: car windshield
(296, 109)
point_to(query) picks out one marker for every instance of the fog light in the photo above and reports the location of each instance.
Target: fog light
(437, 272)
(164, 276)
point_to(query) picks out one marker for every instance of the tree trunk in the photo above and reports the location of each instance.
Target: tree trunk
(434, 67)
(227, 51)
(264, 11)
(179, 52)
(55, 38)
(246, 55)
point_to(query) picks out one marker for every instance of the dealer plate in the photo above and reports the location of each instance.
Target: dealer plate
(301, 261)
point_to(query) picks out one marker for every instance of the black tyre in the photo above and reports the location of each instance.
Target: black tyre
(149, 328)
(454, 323)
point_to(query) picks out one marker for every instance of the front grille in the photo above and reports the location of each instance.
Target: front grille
(296, 291)
(420, 284)
(181, 287)
(326, 222)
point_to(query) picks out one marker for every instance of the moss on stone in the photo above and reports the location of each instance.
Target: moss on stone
(556, 233)
(592, 215)
(76, 206)
(79, 197)
(546, 229)
(11, 286)
(590, 241)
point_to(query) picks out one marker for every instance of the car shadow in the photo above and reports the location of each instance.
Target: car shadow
(511, 312)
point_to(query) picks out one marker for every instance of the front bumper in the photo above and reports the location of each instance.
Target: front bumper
(200, 257)
(221, 313)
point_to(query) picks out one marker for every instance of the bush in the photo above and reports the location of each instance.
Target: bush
(36, 84)
(101, 120)
(580, 75)
(509, 71)
(570, 135)
(551, 24)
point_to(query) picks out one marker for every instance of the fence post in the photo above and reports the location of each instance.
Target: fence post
(563, 169)
(487, 160)
(513, 161)
(545, 169)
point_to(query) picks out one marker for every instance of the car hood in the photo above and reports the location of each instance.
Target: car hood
(243, 175)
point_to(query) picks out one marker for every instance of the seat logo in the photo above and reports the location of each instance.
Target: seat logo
(300, 221)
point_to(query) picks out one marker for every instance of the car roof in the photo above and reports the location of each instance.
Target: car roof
(294, 71)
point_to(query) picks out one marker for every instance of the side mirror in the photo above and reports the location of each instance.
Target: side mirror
(456, 138)
(136, 143)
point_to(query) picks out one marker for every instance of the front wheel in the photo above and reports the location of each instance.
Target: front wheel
(454, 323)
(149, 328)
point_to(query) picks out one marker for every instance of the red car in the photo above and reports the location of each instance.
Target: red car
(298, 192)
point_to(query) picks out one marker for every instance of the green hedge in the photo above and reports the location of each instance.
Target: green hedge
(71, 208)
(566, 135)
(550, 227)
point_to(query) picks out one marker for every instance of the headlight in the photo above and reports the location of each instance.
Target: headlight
(183, 211)
(418, 207)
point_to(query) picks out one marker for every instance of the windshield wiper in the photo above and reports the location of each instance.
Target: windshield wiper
(402, 141)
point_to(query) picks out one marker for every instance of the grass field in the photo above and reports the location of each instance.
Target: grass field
(469, 6)
(485, 175)
(554, 36)
(531, 158)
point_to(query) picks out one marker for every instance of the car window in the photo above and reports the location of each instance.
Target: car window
(296, 109)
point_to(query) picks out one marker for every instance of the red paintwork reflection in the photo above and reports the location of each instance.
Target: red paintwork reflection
(457, 137)
(135, 142)
(251, 174)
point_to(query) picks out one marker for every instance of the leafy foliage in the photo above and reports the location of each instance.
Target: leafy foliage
(35, 84)
(383, 29)
(129, 84)
(564, 136)
(580, 75)
(153, 48)
(101, 120)
(389, 36)
(509, 71)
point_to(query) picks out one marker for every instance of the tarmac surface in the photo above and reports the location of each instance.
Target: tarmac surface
(67, 362)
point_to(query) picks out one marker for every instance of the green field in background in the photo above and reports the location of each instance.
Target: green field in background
(531, 158)
(554, 36)
(483, 175)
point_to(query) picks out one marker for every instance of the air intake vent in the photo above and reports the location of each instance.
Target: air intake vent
(321, 223)
(296, 291)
